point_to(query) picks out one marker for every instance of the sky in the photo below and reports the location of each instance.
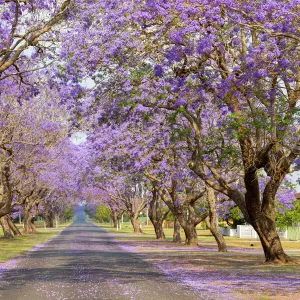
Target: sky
(295, 176)
(78, 138)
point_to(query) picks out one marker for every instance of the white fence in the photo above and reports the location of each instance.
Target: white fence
(294, 233)
(247, 231)
(228, 231)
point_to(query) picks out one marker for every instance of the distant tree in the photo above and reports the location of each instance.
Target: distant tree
(103, 213)
(68, 213)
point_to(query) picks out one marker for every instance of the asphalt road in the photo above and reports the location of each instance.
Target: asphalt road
(85, 262)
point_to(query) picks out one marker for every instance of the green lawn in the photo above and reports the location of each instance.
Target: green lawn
(204, 236)
(14, 247)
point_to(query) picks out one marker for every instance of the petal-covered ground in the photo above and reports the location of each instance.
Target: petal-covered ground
(238, 274)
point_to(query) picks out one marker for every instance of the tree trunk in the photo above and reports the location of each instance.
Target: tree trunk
(176, 234)
(49, 223)
(5, 226)
(33, 227)
(29, 226)
(135, 224)
(262, 216)
(114, 219)
(157, 216)
(158, 227)
(217, 235)
(266, 230)
(191, 238)
(13, 226)
(48, 218)
(188, 223)
(212, 220)
(6, 194)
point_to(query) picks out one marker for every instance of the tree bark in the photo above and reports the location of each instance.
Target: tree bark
(13, 226)
(191, 238)
(271, 242)
(176, 234)
(5, 226)
(135, 224)
(212, 220)
(48, 218)
(29, 226)
(188, 222)
(158, 227)
(217, 235)
(5, 184)
(114, 218)
(157, 216)
(32, 224)
(262, 214)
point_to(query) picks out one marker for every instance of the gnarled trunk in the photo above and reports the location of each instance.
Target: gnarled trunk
(33, 227)
(270, 242)
(157, 216)
(115, 219)
(217, 235)
(13, 226)
(262, 215)
(188, 223)
(5, 226)
(30, 211)
(135, 224)
(212, 220)
(191, 238)
(49, 222)
(176, 233)
(6, 194)
(48, 219)
(159, 232)
(29, 226)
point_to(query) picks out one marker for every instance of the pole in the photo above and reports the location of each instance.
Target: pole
(56, 220)
(147, 216)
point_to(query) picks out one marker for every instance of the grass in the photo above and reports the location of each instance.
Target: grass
(204, 237)
(11, 248)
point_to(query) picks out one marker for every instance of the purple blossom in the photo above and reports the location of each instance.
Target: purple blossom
(204, 45)
(175, 54)
(284, 63)
(158, 71)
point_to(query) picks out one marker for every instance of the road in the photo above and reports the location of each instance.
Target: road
(85, 262)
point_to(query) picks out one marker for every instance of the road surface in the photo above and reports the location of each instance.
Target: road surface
(85, 262)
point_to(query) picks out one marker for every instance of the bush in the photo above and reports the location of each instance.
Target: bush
(102, 213)
(68, 213)
(288, 217)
